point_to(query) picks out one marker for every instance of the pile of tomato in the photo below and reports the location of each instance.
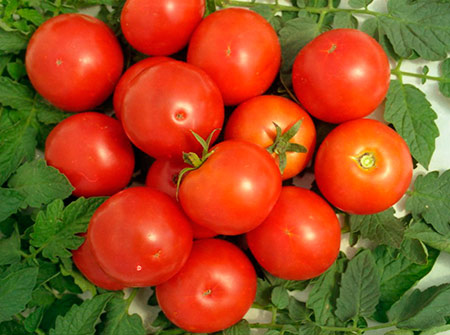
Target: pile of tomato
(168, 233)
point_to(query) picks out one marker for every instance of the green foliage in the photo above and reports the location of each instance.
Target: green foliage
(444, 84)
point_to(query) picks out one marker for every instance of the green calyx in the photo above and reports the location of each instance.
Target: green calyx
(281, 144)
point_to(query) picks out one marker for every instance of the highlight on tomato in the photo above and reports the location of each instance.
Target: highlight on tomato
(212, 291)
(93, 152)
(300, 238)
(279, 125)
(363, 167)
(74, 61)
(341, 75)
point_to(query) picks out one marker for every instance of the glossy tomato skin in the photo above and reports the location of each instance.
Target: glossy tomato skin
(163, 176)
(140, 237)
(167, 101)
(363, 167)
(88, 266)
(239, 49)
(341, 75)
(218, 283)
(129, 75)
(234, 190)
(254, 119)
(160, 27)
(303, 233)
(74, 61)
(93, 152)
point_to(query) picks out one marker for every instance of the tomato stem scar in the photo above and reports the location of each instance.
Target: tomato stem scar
(367, 160)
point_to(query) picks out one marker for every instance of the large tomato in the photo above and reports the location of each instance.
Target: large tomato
(341, 75)
(160, 27)
(129, 75)
(234, 190)
(239, 49)
(254, 119)
(300, 239)
(93, 152)
(163, 176)
(167, 101)
(74, 61)
(88, 266)
(213, 290)
(363, 167)
(140, 237)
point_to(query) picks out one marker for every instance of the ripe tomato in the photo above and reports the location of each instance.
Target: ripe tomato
(167, 101)
(163, 176)
(74, 61)
(341, 75)
(88, 266)
(213, 290)
(239, 49)
(254, 119)
(160, 27)
(129, 75)
(140, 237)
(303, 233)
(234, 190)
(363, 167)
(93, 152)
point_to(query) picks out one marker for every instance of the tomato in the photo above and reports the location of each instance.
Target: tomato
(213, 290)
(167, 101)
(129, 75)
(239, 49)
(254, 119)
(88, 266)
(93, 152)
(234, 190)
(140, 237)
(160, 27)
(363, 167)
(163, 176)
(341, 75)
(303, 233)
(74, 61)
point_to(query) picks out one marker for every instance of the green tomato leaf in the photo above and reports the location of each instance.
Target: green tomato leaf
(81, 320)
(344, 20)
(382, 228)
(12, 42)
(10, 202)
(16, 286)
(360, 288)
(266, 12)
(421, 27)
(10, 249)
(430, 200)
(400, 332)
(444, 84)
(33, 320)
(297, 310)
(40, 184)
(263, 292)
(359, 3)
(31, 15)
(56, 308)
(413, 118)
(240, 328)
(421, 310)
(425, 233)
(56, 229)
(397, 275)
(119, 322)
(12, 328)
(436, 330)
(280, 297)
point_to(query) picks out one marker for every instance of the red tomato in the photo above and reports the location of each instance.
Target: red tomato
(303, 233)
(140, 237)
(93, 152)
(213, 290)
(88, 266)
(363, 167)
(234, 190)
(129, 75)
(163, 176)
(254, 119)
(167, 101)
(341, 75)
(74, 61)
(239, 49)
(160, 27)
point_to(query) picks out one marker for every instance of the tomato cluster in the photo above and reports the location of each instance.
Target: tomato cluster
(168, 233)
